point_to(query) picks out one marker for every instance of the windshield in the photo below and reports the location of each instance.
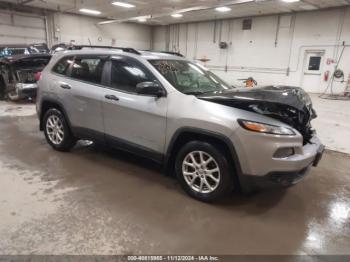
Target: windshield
(188, 77)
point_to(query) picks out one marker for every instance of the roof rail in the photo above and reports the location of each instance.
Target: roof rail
(172, 53)
(165, 52)
(125, 49)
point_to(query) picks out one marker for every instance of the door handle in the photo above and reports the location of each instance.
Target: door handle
(65, 86)
(112, 97)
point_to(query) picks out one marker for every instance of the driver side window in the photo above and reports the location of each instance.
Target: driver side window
(126, 75)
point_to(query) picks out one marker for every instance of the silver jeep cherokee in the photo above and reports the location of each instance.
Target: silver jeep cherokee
(175, 112)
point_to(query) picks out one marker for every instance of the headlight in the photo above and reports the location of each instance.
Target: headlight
(265, 128)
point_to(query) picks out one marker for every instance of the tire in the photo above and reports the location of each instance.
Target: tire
(57, 131)
(13, 96)
(207, 184)
(2, 88)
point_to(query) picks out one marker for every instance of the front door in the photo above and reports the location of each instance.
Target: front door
(132, 121)
(312, 71)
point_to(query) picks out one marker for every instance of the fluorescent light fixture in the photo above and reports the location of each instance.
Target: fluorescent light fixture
(142, 19)
(89, 11)
(177, 15)
(123, 4)
(290, 1)
(223, 9)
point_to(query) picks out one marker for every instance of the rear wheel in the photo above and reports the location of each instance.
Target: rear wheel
(203, 171)
(57, 131)
(2, 88)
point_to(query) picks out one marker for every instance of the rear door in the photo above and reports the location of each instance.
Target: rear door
(133, 121)
(81, 91)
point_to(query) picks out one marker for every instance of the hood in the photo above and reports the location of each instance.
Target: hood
(26, 58)
(283, 95)
(291, 105)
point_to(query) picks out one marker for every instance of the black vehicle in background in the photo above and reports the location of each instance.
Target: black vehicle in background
(19, 75)
(16, 49)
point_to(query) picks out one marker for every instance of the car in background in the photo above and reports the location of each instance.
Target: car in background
(17, 49)
(19, 75)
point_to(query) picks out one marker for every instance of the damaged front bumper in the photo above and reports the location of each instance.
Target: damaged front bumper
(23, 90)
(286, 171)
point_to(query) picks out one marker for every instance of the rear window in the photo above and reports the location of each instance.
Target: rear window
(62, 66)
(88, 69)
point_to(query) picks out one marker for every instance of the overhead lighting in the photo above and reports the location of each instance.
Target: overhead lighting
(123, 4)
(89, 11)
(290, 1)
(223, 9)
(142, 20)
(177, 15)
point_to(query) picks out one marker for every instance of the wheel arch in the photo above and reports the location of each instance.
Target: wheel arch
(48, 104)
(187, 134)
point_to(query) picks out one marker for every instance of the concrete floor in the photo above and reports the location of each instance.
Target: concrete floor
(333, 123)
(96, 202)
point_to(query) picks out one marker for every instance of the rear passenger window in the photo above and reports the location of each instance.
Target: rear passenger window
(126, 75)
(62, 66)
(88, 69)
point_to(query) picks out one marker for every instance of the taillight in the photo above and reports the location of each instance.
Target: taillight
(37, 76)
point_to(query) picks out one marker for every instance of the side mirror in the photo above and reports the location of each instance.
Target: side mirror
(150, 88)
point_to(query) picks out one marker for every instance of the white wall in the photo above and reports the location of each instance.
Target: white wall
(250, 53)
(19, 28)
(22, 28)
(254, 53)
(67, 27)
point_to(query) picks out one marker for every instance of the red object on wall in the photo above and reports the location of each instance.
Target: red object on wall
(326, 76)
(330, 61)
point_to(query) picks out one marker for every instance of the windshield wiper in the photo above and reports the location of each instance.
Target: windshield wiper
(199, 92)
(193, 93)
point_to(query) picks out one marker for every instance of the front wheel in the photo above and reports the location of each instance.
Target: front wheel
(203, 171)
(13, 96)
(57, 131)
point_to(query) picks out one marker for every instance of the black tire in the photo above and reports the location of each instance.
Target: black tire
(68, 141)
(2, 88)
(226, 181)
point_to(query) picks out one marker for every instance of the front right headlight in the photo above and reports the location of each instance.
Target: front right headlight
(265, 128)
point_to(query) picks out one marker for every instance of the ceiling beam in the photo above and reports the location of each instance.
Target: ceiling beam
(181, 11)
(312, 4)
(24, 2)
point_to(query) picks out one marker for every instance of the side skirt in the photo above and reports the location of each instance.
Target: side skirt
(117, 143)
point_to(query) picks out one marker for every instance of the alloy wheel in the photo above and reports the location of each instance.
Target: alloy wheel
(54, 129)
(201, 171)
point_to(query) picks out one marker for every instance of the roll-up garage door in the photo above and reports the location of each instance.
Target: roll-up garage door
(21, 29)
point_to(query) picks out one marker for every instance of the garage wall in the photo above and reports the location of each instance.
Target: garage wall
(273, 52)
(18, 28)
(66, 27)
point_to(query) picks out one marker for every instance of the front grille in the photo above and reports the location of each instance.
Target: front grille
(26, 76)
(29, 91)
